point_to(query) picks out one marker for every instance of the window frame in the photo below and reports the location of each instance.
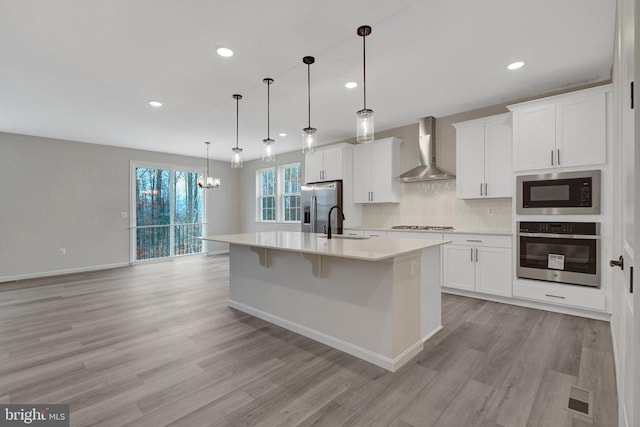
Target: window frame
(260, 196)
(279, 194)
(282, 194)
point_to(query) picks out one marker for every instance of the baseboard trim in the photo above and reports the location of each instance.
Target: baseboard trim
(63, 272)
(354, 350)
(532, 304)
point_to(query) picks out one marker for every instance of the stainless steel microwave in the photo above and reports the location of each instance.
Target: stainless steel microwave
(559, 193)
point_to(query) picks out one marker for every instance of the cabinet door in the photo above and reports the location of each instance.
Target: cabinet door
(534, 137)
(470, 161)
(493, 271)
(362, 173)
(581, 131)
(382, 187)
(498, 158)
(313, 167)
(332, 164)
(459, 267)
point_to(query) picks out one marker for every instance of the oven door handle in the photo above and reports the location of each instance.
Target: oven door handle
(561, 236)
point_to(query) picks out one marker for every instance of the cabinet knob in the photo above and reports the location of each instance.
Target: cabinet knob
(617, 263)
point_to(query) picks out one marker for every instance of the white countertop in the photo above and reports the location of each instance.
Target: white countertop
(374, 249)
(457, 231)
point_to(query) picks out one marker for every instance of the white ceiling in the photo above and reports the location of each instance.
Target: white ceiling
(84, 70)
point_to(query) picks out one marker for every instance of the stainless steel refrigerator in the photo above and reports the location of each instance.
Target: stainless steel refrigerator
(317, 199)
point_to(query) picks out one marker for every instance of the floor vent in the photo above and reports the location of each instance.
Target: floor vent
(580, 401)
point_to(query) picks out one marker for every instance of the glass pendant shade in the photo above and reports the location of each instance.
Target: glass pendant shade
(309, 140)
(236, 158)
(268, 155)
(365, 125)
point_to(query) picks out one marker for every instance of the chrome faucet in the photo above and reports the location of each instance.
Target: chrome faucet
(329, 219)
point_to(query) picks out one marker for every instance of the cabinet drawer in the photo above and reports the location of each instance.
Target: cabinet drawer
(573, 296)
(479, 240)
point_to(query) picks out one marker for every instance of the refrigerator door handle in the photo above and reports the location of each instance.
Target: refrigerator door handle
(313, 214)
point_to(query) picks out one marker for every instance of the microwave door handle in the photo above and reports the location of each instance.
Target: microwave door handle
(561, 236)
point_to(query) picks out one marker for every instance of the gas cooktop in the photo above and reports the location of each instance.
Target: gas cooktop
(422, 227)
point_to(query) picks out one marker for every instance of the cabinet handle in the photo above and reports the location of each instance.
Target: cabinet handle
(475, 241)
(476, 254)
(554, 296)
(481, 189)
(471, 254)
(486, 189)
(558, 157)
(551, 157)
(372, 196)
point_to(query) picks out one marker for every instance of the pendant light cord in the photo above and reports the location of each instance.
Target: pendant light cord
(268, 109)
(364, 70)
(208, 161)
(309, 93)
(237, 119)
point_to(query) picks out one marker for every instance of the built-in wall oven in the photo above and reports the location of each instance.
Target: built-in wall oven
(561, 193)
(563, 252)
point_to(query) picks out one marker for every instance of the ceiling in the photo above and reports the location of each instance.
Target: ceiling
(84, 70)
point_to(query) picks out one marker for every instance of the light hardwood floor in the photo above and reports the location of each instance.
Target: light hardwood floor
(156, 344)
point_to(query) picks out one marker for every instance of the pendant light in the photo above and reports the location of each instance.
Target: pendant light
(208, 181)
(236, 157)
(364, 117)
(267, 154)
(309, 133)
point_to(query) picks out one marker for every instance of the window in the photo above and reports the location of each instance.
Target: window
(266, 194)
(278, 195)
(290, 201)
(168, 212)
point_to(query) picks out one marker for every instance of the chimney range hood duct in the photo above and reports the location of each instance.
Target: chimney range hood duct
(427, 170)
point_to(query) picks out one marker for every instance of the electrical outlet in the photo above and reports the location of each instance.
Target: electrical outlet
(124, 215)
(63, 251)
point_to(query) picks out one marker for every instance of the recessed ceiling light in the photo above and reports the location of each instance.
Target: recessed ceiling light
(223, 51)
(515, 65)
(282, 134)
(156, 104)
(351, 85)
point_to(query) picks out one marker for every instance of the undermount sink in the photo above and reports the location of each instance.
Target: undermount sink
(344, 237)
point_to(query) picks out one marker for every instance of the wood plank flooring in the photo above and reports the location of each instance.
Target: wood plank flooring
(155, 344)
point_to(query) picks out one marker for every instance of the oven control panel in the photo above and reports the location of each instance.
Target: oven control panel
(584, 228)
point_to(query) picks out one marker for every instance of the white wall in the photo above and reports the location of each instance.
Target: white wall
(62, 194)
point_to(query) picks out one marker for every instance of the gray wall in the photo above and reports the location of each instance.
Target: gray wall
(247, 197)
(62, 194)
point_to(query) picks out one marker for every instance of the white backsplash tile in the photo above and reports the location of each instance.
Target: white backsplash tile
(435, 203)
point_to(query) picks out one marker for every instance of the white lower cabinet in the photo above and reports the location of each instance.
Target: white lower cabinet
(478, 263)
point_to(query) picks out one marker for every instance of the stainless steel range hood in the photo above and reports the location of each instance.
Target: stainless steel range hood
(427, 170)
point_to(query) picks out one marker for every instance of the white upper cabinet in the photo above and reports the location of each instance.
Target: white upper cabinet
(561, 131)
(483, 157)
(325, 164)
(376, 167)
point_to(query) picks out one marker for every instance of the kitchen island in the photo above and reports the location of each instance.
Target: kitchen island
(377, 299)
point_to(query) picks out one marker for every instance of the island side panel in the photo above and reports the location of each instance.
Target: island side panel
(431, 294)
(352, 306)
